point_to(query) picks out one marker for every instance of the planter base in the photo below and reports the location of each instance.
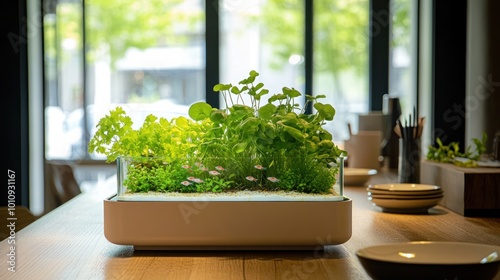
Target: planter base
(227, 225)
(222, 248)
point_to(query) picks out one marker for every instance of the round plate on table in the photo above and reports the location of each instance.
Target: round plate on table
(404, 193)
(403, 197)
(405, 205)
(357, 176)
(431, 260)
(404, 187)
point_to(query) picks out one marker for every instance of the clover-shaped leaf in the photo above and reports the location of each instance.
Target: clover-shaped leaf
(200, 111)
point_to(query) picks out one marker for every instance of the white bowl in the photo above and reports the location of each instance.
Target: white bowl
(357, 176)
(431, 260)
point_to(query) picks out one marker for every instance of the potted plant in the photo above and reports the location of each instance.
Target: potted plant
(221, 175)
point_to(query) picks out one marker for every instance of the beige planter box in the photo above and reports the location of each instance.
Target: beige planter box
(202, 224)
(227, 220)
(467, 191)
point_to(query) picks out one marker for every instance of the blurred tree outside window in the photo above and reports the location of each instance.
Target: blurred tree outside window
(146, 56)
(340, 51)
(252, 38)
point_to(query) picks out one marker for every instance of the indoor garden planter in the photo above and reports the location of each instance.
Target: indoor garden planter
(247, 176)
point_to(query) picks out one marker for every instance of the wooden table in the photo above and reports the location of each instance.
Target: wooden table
(68, 243)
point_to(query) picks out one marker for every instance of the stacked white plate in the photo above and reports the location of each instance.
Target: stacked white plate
(404, 198)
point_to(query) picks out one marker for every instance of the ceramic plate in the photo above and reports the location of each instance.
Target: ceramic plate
(406, 205)
(415, 193)
(357, 176)
(404, 187)
(431, 260)
(390, 196)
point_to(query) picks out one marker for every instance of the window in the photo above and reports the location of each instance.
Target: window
(402, 52)
(341, 59)
(63, 71)
(146, 56)
(150, 57)
(254, 36)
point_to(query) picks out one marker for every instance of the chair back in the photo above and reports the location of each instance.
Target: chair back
(63, 182)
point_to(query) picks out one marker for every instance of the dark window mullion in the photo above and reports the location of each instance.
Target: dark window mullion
(378, 81)
(211, 53)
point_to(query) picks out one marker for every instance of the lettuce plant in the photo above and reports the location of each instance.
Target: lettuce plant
(245, 146)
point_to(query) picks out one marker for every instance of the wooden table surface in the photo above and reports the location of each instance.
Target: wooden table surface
(68, 243)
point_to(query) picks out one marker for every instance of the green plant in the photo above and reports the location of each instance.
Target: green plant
(245, 146)
(157, 137)
(449, 153)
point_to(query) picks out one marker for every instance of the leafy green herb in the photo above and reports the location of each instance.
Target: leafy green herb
(273, 146)
(449, 153)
